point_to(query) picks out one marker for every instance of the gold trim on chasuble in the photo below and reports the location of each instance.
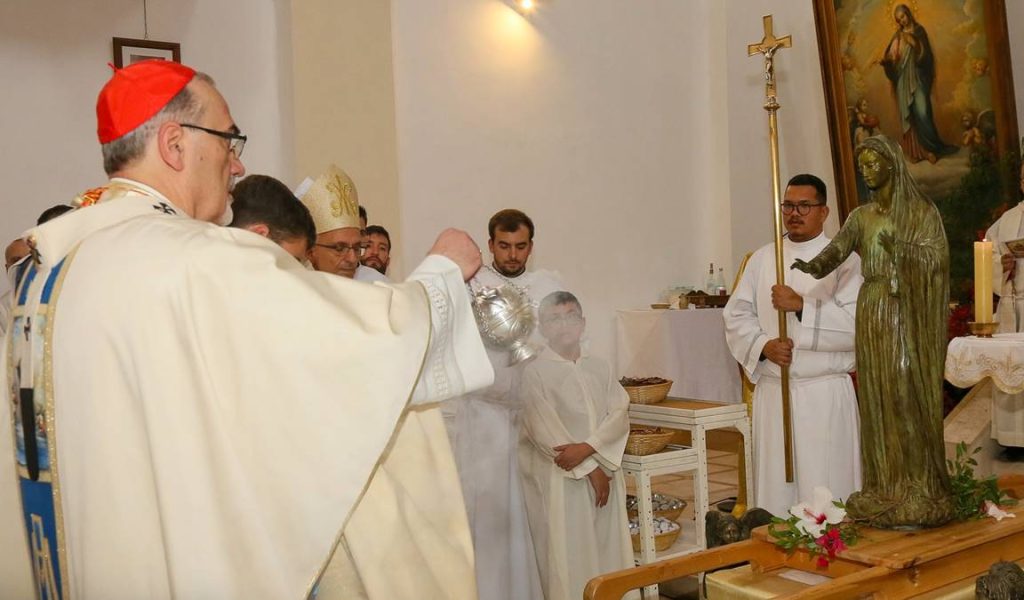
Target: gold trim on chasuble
(36, 542)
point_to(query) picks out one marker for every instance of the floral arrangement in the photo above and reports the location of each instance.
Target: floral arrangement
(975, 498)
(820, 527)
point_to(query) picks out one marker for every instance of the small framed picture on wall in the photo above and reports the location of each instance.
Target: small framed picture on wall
(129, 50)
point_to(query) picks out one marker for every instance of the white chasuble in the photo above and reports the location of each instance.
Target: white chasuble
(203, 440)
(567, 402)
(826, 430)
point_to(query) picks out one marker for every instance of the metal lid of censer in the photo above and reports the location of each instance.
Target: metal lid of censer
(506, 320)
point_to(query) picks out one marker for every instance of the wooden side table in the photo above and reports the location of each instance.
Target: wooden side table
(676, 459)
(698, 417)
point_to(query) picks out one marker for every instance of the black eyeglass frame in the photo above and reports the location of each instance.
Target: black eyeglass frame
(236, 141)
(801, 209)
(359, 250)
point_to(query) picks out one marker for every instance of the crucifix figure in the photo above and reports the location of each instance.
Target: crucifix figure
(768, 45)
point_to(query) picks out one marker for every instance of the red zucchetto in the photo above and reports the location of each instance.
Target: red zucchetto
(136, 93)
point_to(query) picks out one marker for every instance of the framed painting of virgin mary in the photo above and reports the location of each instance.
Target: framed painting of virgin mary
(934, 76)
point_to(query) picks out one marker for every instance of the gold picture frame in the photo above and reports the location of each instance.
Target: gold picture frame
(934, 76)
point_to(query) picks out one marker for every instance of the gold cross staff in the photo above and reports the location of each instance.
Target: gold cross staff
(768, 46)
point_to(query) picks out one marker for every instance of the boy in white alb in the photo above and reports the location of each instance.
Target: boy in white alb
(574, 432)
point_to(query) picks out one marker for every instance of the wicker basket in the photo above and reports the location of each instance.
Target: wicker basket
(662, 541)
(671, 514)
(648, 394)
(644, 442)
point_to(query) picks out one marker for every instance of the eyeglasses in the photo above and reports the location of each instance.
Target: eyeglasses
(801, 209)
(236, 141)
(344, 248)
(569, 319)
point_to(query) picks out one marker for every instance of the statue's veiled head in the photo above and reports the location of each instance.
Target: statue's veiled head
(880, 161)
(874, 168)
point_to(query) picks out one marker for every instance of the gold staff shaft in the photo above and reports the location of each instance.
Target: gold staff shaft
(768, 46)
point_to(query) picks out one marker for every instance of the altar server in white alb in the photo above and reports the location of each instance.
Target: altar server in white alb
(819, 352)
(484, 428)
(1008, 409)
(193, 416)
(575, 425)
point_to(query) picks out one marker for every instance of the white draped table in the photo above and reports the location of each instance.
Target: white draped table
(686, 346)
(969, 360)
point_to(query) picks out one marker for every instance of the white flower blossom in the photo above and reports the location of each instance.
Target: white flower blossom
(995, 512)
(817, 515)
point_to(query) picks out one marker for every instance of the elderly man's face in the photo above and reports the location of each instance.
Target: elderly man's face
(212, 164)
(338, 251)
(378, 252)
(15, 251)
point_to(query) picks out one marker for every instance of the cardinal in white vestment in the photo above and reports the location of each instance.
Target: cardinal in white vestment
(1008, 409)
(820, 354)
(484, 427)
(172, 434)
(411, 513)
(575, 424)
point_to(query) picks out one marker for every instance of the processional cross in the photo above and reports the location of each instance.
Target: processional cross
(768, 46)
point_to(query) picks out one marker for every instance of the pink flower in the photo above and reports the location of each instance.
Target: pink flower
(822, 562)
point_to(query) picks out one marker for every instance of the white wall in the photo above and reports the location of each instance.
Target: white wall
(803, 128)
(345, 103)
(54, 55)
(599, 119)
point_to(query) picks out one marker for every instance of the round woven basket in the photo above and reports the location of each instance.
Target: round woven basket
(642, 444)
(662, 541)
(648, 394)
(671, 514)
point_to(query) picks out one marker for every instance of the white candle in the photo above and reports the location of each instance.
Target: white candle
(983, 281)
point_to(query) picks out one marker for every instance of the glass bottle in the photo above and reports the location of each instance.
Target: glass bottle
(720, 288)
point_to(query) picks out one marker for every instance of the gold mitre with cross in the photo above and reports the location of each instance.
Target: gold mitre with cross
(332, 200)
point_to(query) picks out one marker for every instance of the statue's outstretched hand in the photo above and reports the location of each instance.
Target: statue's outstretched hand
(802, 265)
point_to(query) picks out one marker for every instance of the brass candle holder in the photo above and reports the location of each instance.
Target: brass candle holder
(983, 330)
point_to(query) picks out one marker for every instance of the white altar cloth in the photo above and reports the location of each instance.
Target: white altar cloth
(969, 360)
(686, 346)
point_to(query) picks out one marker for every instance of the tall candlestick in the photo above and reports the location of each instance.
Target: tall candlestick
(983, 281)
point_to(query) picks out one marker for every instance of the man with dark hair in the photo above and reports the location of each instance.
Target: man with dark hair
(217, 436)
(819, 352)
(510, 241)
(485, 434)
(265, 206)
(15, 256)
(377, 253)
(52, 213)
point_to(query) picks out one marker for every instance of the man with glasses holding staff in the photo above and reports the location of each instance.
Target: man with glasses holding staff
(819, 352)
(190, 413)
